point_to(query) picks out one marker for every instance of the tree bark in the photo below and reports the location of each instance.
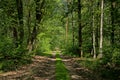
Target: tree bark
(73, 34)
(113, 4)
(19, 5)
(34, 32)
(101, 29)
(97, 31)
(67, 24)
(15, 36)
(80, 29)
(66, 30)
(94, 42)
(93, 30)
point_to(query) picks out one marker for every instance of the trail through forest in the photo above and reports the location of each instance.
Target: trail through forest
(43, 68)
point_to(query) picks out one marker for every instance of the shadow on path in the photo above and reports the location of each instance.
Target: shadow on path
(46, 68)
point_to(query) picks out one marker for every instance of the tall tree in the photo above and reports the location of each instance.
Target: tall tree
(34, 32)
(93, 31)
(80, 29)
(67, 21)
(19, 5)
(72, 13)
(113, 15)
(101, 28)
(97, 26)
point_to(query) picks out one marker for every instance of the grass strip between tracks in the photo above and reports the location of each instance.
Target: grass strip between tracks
(61, 70)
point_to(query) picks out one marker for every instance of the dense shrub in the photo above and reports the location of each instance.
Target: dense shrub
(116, 57)
(10, 56)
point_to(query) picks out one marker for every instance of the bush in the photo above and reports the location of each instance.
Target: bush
(71, 50)
(116, 57)
(12, 57)
(111, 56)
(110, 64)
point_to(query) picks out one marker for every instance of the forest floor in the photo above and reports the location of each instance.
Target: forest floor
(44, 68)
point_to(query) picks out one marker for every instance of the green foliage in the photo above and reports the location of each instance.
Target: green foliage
(44, 45)
(70, 50)
(112, 56)
(116, 57)
(103, 70)
(10, 56)
(90, 63)
(109, 65)
(107, 55)
(50, 32)
(8, 65)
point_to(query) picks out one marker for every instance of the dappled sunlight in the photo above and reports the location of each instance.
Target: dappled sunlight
(59, 39)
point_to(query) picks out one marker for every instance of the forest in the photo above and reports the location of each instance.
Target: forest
(59, 39)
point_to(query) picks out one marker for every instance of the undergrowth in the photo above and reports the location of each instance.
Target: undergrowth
(103, 70)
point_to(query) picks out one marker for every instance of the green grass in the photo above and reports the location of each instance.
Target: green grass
(61, 71)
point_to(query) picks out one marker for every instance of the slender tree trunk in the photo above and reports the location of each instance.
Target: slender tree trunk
(29, 43)
(28, 20)
(101, 29)
(15, 36)
(97, 37)
(93, 31)
(73, 34)
(19, 5)
(67, 30)
(80, 29)
(94, 42)
(113, 4)
(67, 23)
(97, 27)
(34, 32)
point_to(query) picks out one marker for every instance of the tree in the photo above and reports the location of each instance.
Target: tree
(80, 29)
(72, 13)
(35, 30)
(114, 21)
(19, 5)
(67, 21)
(101, 28)
(93, 31)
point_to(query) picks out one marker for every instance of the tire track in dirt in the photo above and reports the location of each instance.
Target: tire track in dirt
(42, 68)
(77, 71)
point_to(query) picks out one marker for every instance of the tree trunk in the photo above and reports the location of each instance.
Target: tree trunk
(94, 48)
(113, 4)
(15, 36)
(29, 43)
(97, 27)
(93, 31)
(80, 29)
(19, 5)
(73, 34)
(66, 30)
(101, 29)
(34, 32)
(67, 24)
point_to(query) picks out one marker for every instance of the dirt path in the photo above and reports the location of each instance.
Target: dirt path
(43, 68)
(77, 71)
